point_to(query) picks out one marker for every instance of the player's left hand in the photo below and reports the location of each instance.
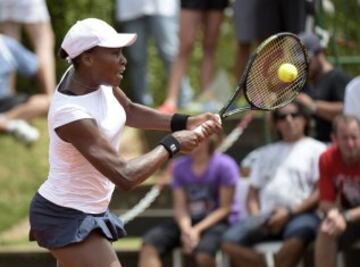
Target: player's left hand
(194, 121)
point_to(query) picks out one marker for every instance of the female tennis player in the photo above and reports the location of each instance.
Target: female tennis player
(69, 214)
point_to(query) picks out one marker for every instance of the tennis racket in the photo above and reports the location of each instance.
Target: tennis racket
(260, 84)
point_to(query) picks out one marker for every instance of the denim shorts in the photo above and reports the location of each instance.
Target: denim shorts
(166, 237)
(303, 227)
(204, 5)
(53, 226)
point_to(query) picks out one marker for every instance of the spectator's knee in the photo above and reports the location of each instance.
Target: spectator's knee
(148, 250)
(227, 246)
(204, 260)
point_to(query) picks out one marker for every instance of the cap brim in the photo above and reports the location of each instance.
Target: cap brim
(119, 40)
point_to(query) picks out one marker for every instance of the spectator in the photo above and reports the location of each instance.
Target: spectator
(17, 108)
(194, 14)
(69, 214)
(273, 16)
(149, 18)
(282, 195)
(245, 30)
(34, 16)
(339, 180)
(203, 190)
(352, 98)
(324, 94)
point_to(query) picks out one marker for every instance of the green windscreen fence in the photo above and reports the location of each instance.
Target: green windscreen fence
(337, 22)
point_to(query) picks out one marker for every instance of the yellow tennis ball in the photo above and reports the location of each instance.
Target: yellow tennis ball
(287, 72)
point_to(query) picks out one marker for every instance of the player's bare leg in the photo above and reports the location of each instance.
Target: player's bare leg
(94, 251)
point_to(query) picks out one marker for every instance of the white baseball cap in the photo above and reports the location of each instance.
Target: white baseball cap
(91, 32)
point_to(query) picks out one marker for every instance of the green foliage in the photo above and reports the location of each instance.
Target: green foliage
(343, 27)
(22, 169)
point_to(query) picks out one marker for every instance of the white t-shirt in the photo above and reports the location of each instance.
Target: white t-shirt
(286, 173)
(352, 98)
(132, 9)
(73, 182)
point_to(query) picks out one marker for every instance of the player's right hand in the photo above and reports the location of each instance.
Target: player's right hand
(190, 139)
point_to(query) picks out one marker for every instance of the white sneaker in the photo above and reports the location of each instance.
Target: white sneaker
(23, 131)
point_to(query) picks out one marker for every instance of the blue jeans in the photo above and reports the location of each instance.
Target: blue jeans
(164, 30)
(249, 233)
(14, 57)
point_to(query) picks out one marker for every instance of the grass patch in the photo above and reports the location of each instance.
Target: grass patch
(22, 170)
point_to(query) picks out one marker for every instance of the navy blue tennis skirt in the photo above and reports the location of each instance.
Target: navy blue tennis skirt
(53, 226)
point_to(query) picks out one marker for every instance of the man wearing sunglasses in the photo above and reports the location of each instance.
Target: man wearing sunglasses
(282, 195)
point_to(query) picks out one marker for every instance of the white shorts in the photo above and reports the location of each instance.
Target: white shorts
(24, 11)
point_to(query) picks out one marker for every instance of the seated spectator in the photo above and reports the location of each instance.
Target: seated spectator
(17, 108)
(339, 180)
(32, 17)
(324, 94)
(203, 192)
(352, 98)
(282, 195)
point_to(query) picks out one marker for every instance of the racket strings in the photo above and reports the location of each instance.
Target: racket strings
(263, 87)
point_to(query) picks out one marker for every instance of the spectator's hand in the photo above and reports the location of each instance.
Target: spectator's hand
(194, 121)
(334, 224)
(190, 239)
(277, 220)
(307, 101)
(190, 139)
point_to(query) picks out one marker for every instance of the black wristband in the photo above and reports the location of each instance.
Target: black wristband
(171, 145)
(178, 122)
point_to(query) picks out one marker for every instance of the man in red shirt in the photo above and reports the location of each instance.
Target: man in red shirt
(339, 192)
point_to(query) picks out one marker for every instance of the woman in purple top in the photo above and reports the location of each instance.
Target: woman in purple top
(203, 193)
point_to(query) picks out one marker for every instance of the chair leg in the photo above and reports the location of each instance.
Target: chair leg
(177, 257)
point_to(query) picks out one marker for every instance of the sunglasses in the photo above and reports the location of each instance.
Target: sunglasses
(283, 116)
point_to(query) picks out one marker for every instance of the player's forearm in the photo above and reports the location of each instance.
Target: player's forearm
(127, 174)
(139, 169)
(143, 117)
